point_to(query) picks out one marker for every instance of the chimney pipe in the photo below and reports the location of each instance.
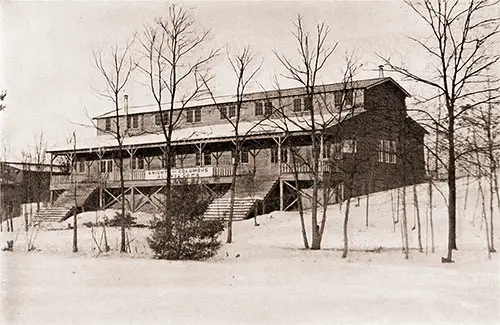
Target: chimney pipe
(381, 71)
(125, 101)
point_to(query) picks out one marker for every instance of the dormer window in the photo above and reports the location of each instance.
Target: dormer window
(158, 119)
(193, 115)
(297, 105)
(133, 121)
(107, 127)
(344, 98)
(268, 108)
(258, 109)
(227, 111)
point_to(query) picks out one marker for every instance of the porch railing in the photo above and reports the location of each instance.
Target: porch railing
(306, 168)
(134, 175)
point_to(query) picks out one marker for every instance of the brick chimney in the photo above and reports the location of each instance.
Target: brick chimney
(381, 71)
(125, 104)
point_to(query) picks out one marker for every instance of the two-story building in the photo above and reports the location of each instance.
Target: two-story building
(362, 129)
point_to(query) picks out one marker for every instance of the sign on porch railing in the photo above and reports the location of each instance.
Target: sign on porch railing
(193, 172)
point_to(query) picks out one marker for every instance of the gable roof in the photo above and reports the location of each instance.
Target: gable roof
(229, 99)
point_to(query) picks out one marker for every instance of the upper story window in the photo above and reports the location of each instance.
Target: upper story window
(258, 109)
(243, 156)
(164, 161)
(106, 166)
(387, 151)
(344, 98)
(81, 165)
(227, 111)
(268, 108)
(193, 115)
(137, 162)
(308, 104)
(203, 159)
(133, 121)
(274, 155)
(337, 149)
(297, 105)
(158, 119)
(107, 127)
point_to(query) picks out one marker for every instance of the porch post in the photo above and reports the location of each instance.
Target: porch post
(51, 194)
(321, 152)
(280, 180)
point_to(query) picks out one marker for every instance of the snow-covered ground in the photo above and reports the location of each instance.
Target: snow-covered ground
(264, 277)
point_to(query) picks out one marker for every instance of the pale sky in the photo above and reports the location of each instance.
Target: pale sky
(46, 62)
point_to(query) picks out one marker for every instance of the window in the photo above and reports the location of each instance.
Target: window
(197, 114)
(268, 108)
(193, 115)
(243, 159)
(164, 161)
(106, 166)
(207, 158)
(274, 155)
(327, 150)
(284, 155)
(227, 111)
(232, 111)
(349, 146)
(138, 162)
(81, 165)
(308, 105)
(339, 148)
(346, 96)
(158, 119)
(133, 121)
(108, 124)
(258, 109)
(203, 158)
(337, 98)
(297, 105)
(244, 155)
(223, 112)
(349, 97)
(387, 151)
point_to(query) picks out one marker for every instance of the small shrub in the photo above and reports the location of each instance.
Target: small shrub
(116, 221)
(182, 233)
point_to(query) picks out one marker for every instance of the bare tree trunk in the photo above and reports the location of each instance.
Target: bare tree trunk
(431, 208)
(492, 234)
(233, 195)
(299, 200)
(367, 207)
(316, 237)
(419, 226)
(405, 223)
(75, 231)
(345, 224)
(485, 219)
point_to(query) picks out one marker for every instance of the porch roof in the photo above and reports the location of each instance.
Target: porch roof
(212, 133)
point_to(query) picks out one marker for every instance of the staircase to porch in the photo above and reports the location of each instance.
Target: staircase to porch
(64, 206)
(244, 202)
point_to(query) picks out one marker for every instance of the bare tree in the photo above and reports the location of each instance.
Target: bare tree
(174, 66)
(313, 54)
(116, 74)
(75, 224)
(461, 46)
(244, 68)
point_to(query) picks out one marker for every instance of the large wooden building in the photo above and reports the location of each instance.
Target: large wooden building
(362, 128)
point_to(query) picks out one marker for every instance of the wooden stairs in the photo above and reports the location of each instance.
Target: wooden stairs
(64, 206)
(244, 203)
